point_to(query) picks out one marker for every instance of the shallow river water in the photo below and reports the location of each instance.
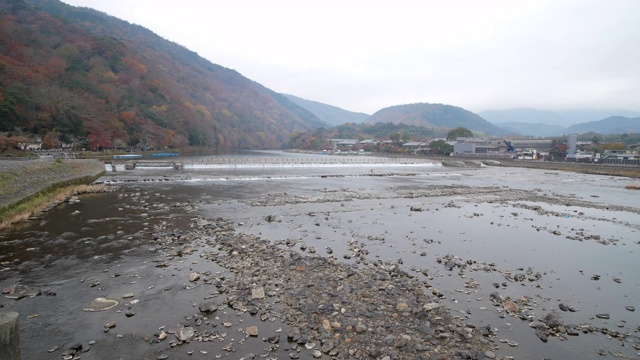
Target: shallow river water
(465, 232)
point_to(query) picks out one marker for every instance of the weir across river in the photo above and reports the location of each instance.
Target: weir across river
(266, 162)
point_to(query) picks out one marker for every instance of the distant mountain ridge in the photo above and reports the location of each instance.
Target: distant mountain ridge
(531, 129)
(562, 118)
(535, 122)
(610, 125)
(435, 116)
(332, 115)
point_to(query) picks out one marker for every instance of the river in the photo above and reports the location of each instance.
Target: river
(464, 231)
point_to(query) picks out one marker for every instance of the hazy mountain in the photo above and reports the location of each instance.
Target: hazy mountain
(330, 114)
(76, 73)
(610, 125)
(530, 129)
(562, 118)
(523, 115)
(435, 116)
(576, 116)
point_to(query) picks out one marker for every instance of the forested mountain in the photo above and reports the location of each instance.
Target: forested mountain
(332, 115)
(75, 74)
(435, 116)
(610, 125)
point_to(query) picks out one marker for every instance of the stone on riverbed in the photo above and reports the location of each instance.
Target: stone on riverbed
(187, 250)
(552, 319)
(257, 293)
(252, 331)
(430, 306)
(208, 307)
(101, 304)
(510, 307)
(185, 333)
(19, 291)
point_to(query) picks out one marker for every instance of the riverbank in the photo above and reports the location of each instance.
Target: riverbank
(582, 168)
(477, 159)
(31, 186)
(596, 169)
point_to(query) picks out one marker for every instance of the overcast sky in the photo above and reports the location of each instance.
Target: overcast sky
(366, 55)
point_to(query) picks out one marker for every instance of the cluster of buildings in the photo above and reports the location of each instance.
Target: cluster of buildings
(525, 149)
(460, 146)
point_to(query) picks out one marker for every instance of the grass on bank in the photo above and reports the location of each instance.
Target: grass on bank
(43, 201)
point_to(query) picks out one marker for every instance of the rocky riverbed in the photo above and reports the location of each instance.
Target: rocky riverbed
(434, 264)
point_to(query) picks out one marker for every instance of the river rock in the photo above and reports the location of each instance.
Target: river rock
(185, 333)
(510, 307)
(402, 307)
(208, 307)
(251, 331)
(430, 306)
(536, 324)
(101, 304)
(187, 250)
(573, 332)
(552, 319)
(194, 277)
(19, 291)
(257, 293)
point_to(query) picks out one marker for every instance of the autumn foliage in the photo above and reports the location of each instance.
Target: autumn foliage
(70, 73)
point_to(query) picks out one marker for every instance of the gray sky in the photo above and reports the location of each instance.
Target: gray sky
(364, 55)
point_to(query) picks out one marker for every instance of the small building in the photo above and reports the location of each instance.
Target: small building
(416, 146)
(620, 156)
(369, 142)
(464, 148)
(343, 144)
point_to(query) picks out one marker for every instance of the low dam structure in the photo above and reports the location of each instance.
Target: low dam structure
(263, 162)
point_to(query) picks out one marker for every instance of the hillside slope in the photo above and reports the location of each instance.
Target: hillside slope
(435, 116)
(610, 125)
(77, 75)
(332, 115)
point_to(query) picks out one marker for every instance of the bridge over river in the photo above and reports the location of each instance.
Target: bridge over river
(264, 162)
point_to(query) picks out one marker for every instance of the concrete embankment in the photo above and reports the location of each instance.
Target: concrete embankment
(9, 336)
(599, 169)
(584, 168)
(23, 180)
